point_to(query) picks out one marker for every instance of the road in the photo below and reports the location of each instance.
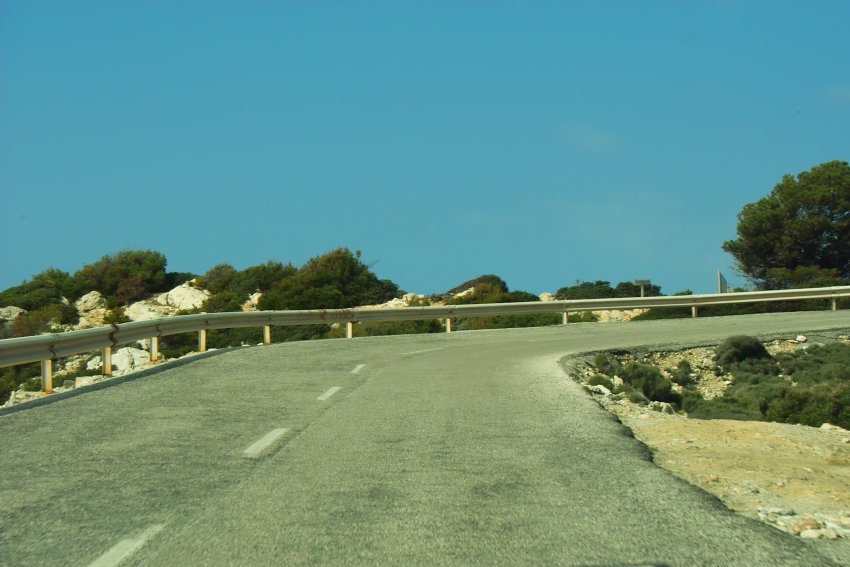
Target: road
(468, 448)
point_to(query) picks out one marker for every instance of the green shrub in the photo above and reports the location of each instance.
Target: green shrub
(223, 302)
(721, 408)
(44, 319)
(755, 366)
(681, 375)
(46, 288)
(599, 380)
(650, 382)
(739, 348)
(814, 406)
(114, 316)
(222, 338)
(218, 278)
(335, 280)
(602, 289)
(124, 277)
(606, 364)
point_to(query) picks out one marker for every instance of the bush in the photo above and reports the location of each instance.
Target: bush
(44, 320)
(814, 406)
(335, 280)
(681, 375)
(720, 408)
(636, 397)
(223, 302)
(648, 380)
(599, 380)
(46, 288)
(606, 364)
(114, 316)
(602, 289)
(739, 348)
(125, 277)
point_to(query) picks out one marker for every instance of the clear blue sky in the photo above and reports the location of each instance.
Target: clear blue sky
(545, 142)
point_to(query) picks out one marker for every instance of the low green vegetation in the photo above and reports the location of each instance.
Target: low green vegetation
(639, 382)
(492, 289)
(809, 387)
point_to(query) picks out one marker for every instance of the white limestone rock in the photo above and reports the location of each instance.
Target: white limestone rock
(94, 364)
(147, 310)
(127, 359)
(619, 316)
(91, 300)
(600, 389)
(92, 310)
(253, 302)
(465, 293)
(11, 313)
(185, 296)
(546, 296)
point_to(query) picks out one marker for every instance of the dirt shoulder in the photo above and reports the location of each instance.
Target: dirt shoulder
(793, 477)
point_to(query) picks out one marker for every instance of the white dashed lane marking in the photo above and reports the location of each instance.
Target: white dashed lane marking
(358, 368)
(126, 547)
(421, 351)
(329, 393)
(264, 445)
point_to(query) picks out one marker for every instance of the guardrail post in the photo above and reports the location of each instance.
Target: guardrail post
(202, 340)
(349, 329)
(835, 304)
(694, 311)
(47, 375)
(106, 369)
(566, 317)
(154, 349)
(448, 324)
(267, 334)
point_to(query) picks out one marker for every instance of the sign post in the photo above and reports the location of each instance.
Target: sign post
(643, 285)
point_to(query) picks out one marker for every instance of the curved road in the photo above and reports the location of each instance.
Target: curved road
(469, 448)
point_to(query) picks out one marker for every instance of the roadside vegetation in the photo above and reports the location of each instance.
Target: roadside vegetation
(808, 387)
(796, 236)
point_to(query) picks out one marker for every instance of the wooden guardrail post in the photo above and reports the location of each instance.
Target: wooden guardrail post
(47, 375)
(106, 369)
(202, 340)
(349, 329)
(267, 334)
(154, 349)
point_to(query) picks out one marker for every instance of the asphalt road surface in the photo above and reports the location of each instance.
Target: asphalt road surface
(468, 448)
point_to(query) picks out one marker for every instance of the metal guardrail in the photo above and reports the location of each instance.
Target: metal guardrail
(47, 348)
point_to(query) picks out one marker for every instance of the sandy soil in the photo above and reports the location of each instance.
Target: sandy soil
(793, 477)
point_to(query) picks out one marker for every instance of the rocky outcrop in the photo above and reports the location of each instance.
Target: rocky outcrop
(253, 302)
(405, 301)
(127, 359)
(618, 316)
(9, 314)
(92, 310)
(124, 361)
(182, 298)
